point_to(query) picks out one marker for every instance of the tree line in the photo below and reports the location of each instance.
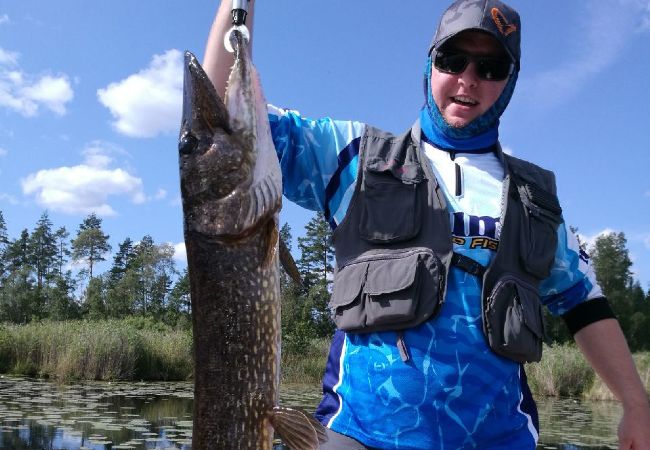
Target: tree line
(611, 262)
(37, 281)
(46, 274)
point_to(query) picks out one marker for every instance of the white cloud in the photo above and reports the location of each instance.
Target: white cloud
(180, 254)
(590, 240)
(8, 58)
(508, 150)
(646, 241)
(26, 94)
(647, 193)
(83, 188)
(53, 92)
(588, 52)
(8, 198)
(4, 19)
(3, 152)
(149, 102)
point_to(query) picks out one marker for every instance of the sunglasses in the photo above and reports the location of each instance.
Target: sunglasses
(487, 67)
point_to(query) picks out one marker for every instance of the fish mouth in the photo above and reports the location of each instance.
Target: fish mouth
(223, 198)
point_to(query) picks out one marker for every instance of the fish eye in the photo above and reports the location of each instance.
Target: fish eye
(187, 143)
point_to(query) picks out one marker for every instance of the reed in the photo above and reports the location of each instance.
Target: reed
(599, 391)
(95, 350)
(562, 371)
(307, 366)
(143, 349)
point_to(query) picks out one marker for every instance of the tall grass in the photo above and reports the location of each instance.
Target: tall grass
(563, 371)
(306, 366)
(98, 350)
(142, 349)
(598, 390)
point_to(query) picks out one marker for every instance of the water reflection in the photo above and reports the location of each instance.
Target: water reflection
(569, 424)
(36, 414)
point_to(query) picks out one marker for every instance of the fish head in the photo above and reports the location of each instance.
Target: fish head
(215, 161)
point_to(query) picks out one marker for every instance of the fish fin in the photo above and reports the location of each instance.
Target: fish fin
(297, 428)
(289, 264)
(272, 236)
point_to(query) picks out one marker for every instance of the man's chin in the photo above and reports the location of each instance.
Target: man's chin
(456, 122)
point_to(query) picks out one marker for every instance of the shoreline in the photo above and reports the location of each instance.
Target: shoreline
(137, 349)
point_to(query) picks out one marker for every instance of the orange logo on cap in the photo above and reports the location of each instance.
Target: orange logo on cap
(502, 23)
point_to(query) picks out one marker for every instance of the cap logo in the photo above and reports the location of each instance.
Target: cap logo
(502, 23)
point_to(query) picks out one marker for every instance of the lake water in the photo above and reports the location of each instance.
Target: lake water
(36, 414)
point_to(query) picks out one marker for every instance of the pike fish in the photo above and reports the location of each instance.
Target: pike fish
(231, 190)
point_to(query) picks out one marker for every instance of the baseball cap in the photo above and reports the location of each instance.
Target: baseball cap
(491, 16)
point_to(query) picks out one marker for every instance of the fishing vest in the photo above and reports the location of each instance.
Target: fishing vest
(394, 249)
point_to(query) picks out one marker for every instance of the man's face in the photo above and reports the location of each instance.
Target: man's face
(463, 97)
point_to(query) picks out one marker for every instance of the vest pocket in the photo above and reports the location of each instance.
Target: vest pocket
(514, 321)
(391, 211)
(348, 311)
(392, 291)
(540, 221)
(387, 291)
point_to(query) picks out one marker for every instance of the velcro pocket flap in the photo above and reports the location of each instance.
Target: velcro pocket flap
(348, 283)
(540, 201)
(405, 172)
(393, 275)
(392, 291)
(543, 198)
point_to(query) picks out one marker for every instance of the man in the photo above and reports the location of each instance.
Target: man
(445, 248)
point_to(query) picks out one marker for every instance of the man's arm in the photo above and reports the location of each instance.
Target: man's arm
(604, 346)
(217, 61)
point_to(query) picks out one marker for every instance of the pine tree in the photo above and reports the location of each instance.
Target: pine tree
(62, 305)
(91, 244)
(4, 241)
(180, 305)
(612, 263)
(639, 321)
(62, 249)
(154, 266)
(292, 305)
(315, 265)
(43, 249)
(17, 300)
(95, 303)
(18, 257)
(122, 260)
(285, 236)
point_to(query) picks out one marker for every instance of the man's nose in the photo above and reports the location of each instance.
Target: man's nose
(469, 76)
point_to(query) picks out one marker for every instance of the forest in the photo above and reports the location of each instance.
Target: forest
(47, 274)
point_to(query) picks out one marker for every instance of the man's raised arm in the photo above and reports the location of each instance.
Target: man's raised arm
(217, 61)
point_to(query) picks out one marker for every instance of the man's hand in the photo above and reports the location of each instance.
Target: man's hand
(634, 428)
(604, 346)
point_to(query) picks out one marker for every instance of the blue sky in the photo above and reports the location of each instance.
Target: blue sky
(90, 97)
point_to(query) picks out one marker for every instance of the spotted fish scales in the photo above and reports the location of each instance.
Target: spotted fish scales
(231, 190)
